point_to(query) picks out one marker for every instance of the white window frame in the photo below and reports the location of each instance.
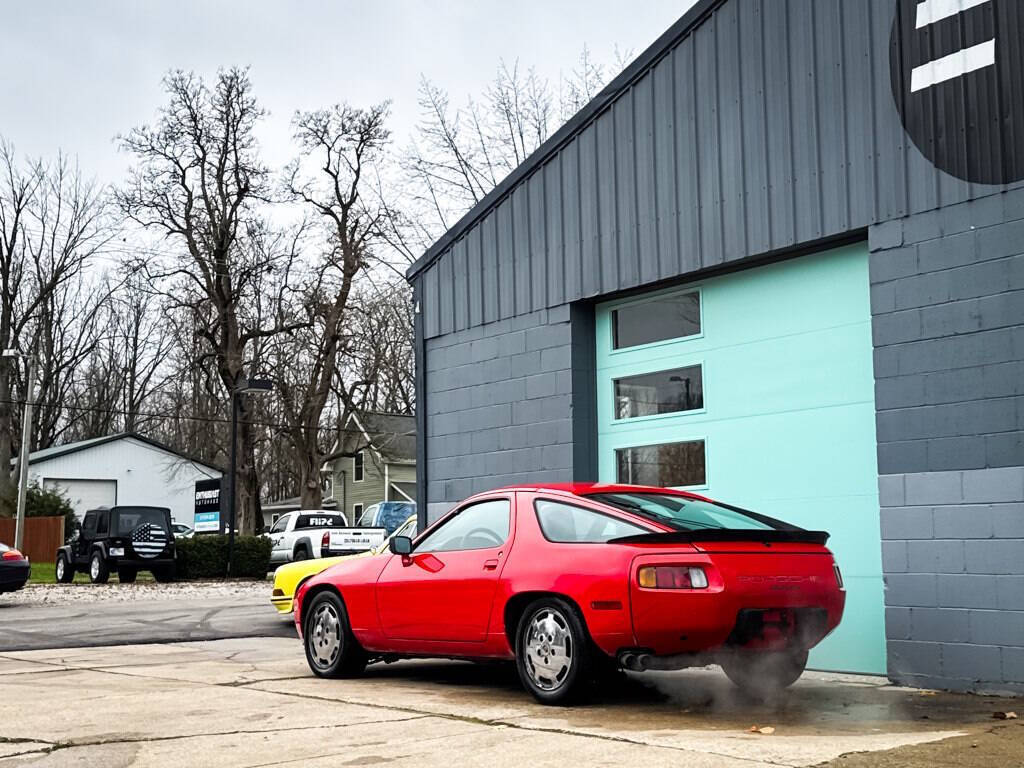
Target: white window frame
(361, 455)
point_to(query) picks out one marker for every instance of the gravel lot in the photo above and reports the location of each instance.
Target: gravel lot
(68, 594)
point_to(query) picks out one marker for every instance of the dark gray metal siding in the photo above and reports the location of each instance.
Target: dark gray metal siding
(770, 124)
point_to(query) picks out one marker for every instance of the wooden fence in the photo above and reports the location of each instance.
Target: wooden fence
(43, 536)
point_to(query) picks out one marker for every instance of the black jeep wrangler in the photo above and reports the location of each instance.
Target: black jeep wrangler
(121, 539)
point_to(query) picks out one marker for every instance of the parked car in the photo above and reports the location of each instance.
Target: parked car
(387, 515)
(122, 540)
(182, 531)
(288, 577)
(14, 569)
(571, 580)
(314, 533)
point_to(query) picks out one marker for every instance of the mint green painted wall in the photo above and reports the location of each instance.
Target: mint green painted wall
(789, 416)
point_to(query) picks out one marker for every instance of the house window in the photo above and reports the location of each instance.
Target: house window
(357, 511)
(649, 394)
(668, 465)
(674, 316)
(357, 468)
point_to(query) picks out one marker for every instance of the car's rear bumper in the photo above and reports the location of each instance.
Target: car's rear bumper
(14, 575)
(140, 563)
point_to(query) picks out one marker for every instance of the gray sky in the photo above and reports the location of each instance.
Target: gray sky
(80, 72)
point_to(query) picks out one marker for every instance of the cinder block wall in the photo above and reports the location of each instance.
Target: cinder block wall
(947, 298)
(499, 405)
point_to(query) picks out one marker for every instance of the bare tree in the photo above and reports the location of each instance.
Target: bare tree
(52, 223)
(344, 144)
(199, 181)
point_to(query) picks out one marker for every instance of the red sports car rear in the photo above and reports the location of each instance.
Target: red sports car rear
(574, 580)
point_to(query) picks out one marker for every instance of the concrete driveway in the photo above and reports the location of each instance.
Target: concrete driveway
(252, 702)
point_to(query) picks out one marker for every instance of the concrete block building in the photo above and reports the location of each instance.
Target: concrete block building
(778, 260)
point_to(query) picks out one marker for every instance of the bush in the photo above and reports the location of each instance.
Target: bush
(206, 557)
(50, 502)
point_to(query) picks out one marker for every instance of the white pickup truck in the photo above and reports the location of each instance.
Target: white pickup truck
(314, 533)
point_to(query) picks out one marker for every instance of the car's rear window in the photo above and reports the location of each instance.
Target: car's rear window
(320, 520)
(686, 514)
(130, 519)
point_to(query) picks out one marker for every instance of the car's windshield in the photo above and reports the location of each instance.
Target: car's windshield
(130, 519)
(686, 514)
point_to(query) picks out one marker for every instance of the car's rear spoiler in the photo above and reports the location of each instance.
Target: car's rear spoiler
(794, 536)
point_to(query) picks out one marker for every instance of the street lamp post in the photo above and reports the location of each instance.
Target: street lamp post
(26, 436)
(251, 386)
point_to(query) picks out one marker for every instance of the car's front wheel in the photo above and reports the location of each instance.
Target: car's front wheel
(331, 648)
(64, 572)
(553, 651)
(764, 673)
(99, 572)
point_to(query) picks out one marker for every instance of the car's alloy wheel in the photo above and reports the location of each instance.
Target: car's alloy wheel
(98, 573)
(65, 573)
(549, 649)
(553, 651)
(331, 648)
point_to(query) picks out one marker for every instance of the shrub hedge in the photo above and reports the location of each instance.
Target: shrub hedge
(206, 557)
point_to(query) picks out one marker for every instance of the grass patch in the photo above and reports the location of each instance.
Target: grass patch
(45, 573)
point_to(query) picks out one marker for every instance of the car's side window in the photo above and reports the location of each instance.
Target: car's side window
(281, 524)
(567, 523)
(89, 525)
(482, 525)
(102, 524)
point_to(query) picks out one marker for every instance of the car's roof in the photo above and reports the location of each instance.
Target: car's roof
(590, 489)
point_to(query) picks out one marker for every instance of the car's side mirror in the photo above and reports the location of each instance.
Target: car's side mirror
(400, 545)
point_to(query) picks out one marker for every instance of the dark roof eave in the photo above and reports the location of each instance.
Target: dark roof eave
(689, 21)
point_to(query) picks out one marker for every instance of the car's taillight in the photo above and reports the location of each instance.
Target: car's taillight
(13, 554)
(839, 574)
(325, 540)
(672, 577)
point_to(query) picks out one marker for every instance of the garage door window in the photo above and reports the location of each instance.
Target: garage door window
(650, 394)
(670, 465)
(674, 316)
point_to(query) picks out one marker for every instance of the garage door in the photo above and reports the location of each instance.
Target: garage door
(85, 494)
(757, 388)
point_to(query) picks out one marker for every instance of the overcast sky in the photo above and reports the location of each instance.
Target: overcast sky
(77, 73)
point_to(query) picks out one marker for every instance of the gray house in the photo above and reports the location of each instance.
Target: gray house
(379, 465)
(779, 260)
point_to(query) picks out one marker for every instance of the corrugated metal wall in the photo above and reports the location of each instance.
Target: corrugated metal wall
(772, 124)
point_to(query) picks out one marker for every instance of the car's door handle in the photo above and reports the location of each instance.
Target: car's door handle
(490, 565)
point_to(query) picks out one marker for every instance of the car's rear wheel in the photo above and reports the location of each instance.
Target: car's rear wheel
(553, 651)
(764, 673)
(164, 574)
(301, 553)
(331, 648)
(64, 572)
(127, 575)
(99, 572)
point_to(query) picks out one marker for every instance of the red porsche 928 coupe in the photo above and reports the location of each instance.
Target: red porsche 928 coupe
(576, 580)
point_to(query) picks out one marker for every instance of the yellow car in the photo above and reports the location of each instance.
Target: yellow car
(288, 577)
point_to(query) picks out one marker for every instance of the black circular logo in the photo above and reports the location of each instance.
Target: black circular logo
(957, 69)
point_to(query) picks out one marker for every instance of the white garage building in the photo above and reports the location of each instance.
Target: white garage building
(121, 469)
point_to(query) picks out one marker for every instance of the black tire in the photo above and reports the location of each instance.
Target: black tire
(553, 652)
(99, 571)
(127, 575)
(764, 674)
(301, 553)
(64, 570)
(331, 648)
(164, 574)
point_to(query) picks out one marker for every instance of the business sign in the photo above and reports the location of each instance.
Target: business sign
(207, 507)
(957, 74)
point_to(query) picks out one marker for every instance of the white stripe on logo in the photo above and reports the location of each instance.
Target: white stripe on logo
(954, 65)
(930, 11)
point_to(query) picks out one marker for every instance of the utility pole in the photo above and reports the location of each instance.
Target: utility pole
(26, 436)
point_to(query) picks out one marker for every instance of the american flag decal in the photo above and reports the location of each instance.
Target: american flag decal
(149, 540)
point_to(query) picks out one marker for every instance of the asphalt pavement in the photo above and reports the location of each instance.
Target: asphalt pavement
(30, 626)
